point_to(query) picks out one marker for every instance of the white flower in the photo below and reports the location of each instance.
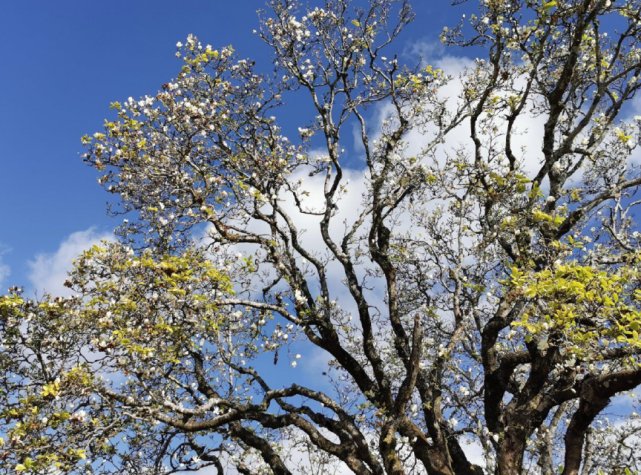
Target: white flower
(305, 133)
(298, 296)
(81, 415)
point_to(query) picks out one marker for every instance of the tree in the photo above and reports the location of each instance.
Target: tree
(465, 291)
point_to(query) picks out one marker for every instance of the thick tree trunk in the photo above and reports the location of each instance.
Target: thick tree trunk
(510, 455)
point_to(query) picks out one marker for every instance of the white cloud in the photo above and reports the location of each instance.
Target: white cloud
(473, 450)
(48, 271)
(295, 455)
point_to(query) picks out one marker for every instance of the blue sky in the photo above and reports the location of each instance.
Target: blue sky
(63, 62)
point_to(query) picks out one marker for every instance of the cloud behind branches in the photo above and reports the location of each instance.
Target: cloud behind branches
(48, 271)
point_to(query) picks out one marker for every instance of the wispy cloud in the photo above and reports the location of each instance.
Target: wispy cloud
(48, 271)
(5, 270)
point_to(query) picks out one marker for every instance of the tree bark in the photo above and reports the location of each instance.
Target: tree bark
(510, 454)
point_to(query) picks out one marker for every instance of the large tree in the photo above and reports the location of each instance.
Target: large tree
(457, 250)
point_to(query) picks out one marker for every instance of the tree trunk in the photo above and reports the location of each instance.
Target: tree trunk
(510, 455)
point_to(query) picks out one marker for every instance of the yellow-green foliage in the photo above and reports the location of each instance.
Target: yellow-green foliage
(10, 303)
(182, 286)
(542, 217)
(590, 308)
